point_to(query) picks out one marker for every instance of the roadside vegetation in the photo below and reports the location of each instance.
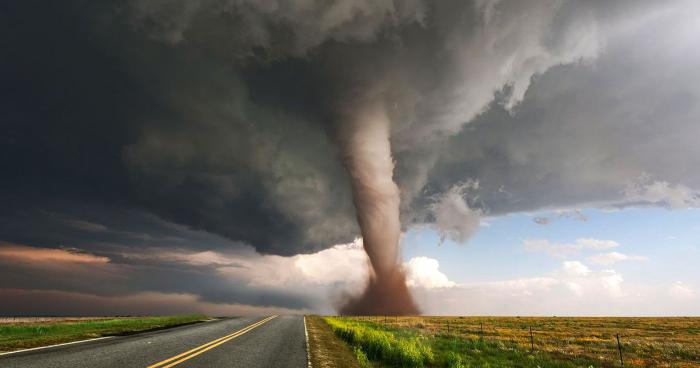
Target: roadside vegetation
(328, 351)
(23, 335)
(507, 342)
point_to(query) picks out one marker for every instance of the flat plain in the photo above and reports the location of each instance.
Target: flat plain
(28, 332)
(554, 341)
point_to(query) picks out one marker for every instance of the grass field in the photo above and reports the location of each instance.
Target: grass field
(23, 334)
(507, 342)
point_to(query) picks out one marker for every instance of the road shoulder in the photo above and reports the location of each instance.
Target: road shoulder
(327, 350)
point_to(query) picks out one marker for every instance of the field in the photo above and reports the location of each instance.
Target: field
(23, 333)
(507, 341)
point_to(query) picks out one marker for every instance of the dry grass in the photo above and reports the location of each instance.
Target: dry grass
(4, 320)
(646, 342)
(327, 351)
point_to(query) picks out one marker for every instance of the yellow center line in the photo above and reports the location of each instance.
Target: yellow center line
(210, 345)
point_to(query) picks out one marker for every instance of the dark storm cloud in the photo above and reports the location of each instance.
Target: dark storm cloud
(212, 124)
(95, 113)
(118, 271)
(584, 134)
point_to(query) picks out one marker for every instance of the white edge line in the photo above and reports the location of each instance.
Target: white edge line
(308, 349)
(53, 346)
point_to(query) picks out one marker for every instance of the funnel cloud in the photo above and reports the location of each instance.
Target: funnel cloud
(367, 157)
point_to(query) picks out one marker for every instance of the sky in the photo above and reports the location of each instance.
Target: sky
(638, 261)
(177, 156)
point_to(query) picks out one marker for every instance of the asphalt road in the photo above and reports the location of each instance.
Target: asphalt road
(277, 342)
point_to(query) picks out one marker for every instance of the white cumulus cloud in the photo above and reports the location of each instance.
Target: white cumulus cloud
(425, 272)
(680, 290)
(571, 289)
(575, 268)
(610, 258)
(566, 249)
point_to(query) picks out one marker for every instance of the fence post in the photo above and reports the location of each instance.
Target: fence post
(532, 340)
(481, 325)
(448, 326)
(619, 348)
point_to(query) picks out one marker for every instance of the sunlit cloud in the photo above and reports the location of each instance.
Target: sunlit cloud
(661, 193)
(35, 302)
(605, 259)
(424, 272)
(52, 256)
(572, 289)
(566, 249)
(682, 291)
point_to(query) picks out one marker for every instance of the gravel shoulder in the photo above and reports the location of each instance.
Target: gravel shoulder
(327, 350)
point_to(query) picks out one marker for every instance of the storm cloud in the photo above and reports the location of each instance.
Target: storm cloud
(213, 124)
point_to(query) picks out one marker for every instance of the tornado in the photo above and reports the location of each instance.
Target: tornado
(368, 161)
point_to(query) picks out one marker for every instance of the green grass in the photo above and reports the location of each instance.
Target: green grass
(380, 344)
(405, 347)
(361, 357)
(15, 336)
(646, 341)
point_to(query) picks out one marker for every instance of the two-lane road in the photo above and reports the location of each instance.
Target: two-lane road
(236, 342)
